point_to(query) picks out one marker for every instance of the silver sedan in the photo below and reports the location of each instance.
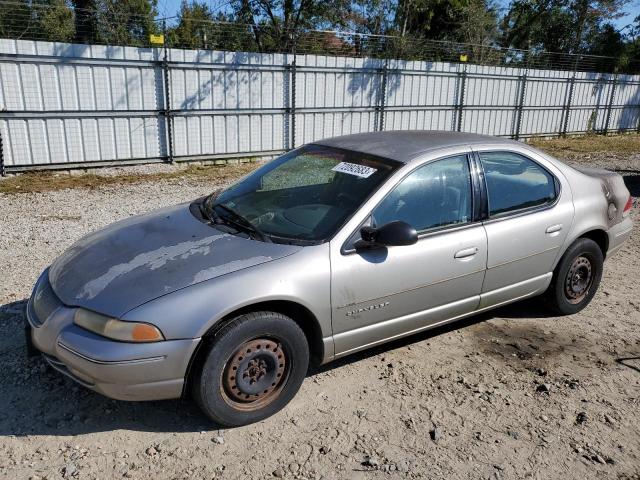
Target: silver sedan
(332, 248)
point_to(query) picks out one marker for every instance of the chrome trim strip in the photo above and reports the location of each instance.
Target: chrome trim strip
(624, 232)
(430, 232)
(521, 212)
(329, 349)
(110, 362)
(384, 324)
(523, 258)
(411, 289)
(58, 366)
(431, 325)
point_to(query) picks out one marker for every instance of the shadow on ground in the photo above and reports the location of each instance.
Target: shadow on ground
(632, 182)
(39, 401)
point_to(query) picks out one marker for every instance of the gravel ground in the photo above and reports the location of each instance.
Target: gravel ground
(511, 394)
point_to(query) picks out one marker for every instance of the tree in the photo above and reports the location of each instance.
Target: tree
(125, 22)
(85, 20)
(40, 20)
(557, 25)
(276, 23)
(472, 21)
(375, 17)
(193, 20)
(55, 20)
(199, 27)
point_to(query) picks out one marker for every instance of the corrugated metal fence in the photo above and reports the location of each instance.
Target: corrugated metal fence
(81, 105)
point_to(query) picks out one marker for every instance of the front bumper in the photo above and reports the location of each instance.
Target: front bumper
(123, 371)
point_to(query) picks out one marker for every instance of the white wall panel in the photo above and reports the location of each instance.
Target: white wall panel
(86, 103)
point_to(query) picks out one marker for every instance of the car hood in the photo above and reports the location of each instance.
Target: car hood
(141, 258)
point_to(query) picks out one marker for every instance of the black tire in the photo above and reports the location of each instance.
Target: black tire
(272, 354)
(576, 278)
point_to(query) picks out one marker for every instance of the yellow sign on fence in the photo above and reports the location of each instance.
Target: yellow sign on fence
(156, 39)
(463, 57)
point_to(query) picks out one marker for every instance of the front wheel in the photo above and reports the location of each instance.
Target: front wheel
(253, 368)
(576, 277)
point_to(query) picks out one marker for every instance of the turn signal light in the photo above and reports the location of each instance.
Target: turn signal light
(115, 329)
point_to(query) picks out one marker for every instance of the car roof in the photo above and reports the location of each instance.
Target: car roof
(405, 145)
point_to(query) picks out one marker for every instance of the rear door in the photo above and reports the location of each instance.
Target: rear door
(530, 212)
(389, 292)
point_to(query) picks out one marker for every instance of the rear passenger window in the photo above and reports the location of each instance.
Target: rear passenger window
(435, 195)
(514, 182)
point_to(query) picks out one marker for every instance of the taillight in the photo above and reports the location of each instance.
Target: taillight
(627, 206)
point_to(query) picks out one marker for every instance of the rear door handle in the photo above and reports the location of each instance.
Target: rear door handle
(467, 252)
(554, 228)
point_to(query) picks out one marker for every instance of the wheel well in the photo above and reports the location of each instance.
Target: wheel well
(600, 237)
(298, 313)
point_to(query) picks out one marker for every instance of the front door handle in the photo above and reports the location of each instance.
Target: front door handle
(554, 228)
(467, 252)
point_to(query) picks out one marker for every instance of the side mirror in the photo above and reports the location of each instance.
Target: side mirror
(392, 234)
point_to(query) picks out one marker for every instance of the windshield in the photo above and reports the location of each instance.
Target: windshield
(306, 194)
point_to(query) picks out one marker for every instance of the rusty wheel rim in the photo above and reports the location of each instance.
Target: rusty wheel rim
(255, 374)
(579, 280)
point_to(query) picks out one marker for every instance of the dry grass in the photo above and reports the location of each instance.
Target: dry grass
(48, 181)
(614, 144)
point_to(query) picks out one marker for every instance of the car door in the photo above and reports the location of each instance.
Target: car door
(530, 211)
(388, 292)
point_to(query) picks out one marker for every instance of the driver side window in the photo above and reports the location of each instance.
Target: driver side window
(435, 195)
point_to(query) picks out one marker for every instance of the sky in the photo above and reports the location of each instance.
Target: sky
(170, 8)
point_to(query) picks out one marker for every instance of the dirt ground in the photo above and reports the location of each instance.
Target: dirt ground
(511, 394)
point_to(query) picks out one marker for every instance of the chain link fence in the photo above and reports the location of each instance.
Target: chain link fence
(57, 21)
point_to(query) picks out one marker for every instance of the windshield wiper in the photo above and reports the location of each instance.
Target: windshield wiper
(239, 221)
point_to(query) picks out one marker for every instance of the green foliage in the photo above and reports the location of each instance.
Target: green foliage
(470, 21)
(122, 22)
(199, 27)
(411, 29)
(56, 21)
(570, 26)
(42, 19)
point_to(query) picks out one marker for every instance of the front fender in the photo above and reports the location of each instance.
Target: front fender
(303, 278)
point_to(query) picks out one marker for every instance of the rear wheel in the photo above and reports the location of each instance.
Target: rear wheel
(576, 277)
(253, 368)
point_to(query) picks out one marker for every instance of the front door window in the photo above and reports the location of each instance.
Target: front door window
(435, 195)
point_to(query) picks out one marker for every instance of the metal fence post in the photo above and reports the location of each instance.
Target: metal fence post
(167, 96)
(2, 169)
(567, 107)
(289, 93)
(461, 92)
(614, 84)
(292, 109)
(520, 106)
(382, 97)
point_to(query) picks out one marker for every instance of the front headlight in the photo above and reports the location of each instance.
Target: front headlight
(117, 329)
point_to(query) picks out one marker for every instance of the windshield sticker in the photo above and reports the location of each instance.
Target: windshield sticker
(361, 171)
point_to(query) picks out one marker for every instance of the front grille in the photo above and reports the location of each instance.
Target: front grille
(44, 302)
